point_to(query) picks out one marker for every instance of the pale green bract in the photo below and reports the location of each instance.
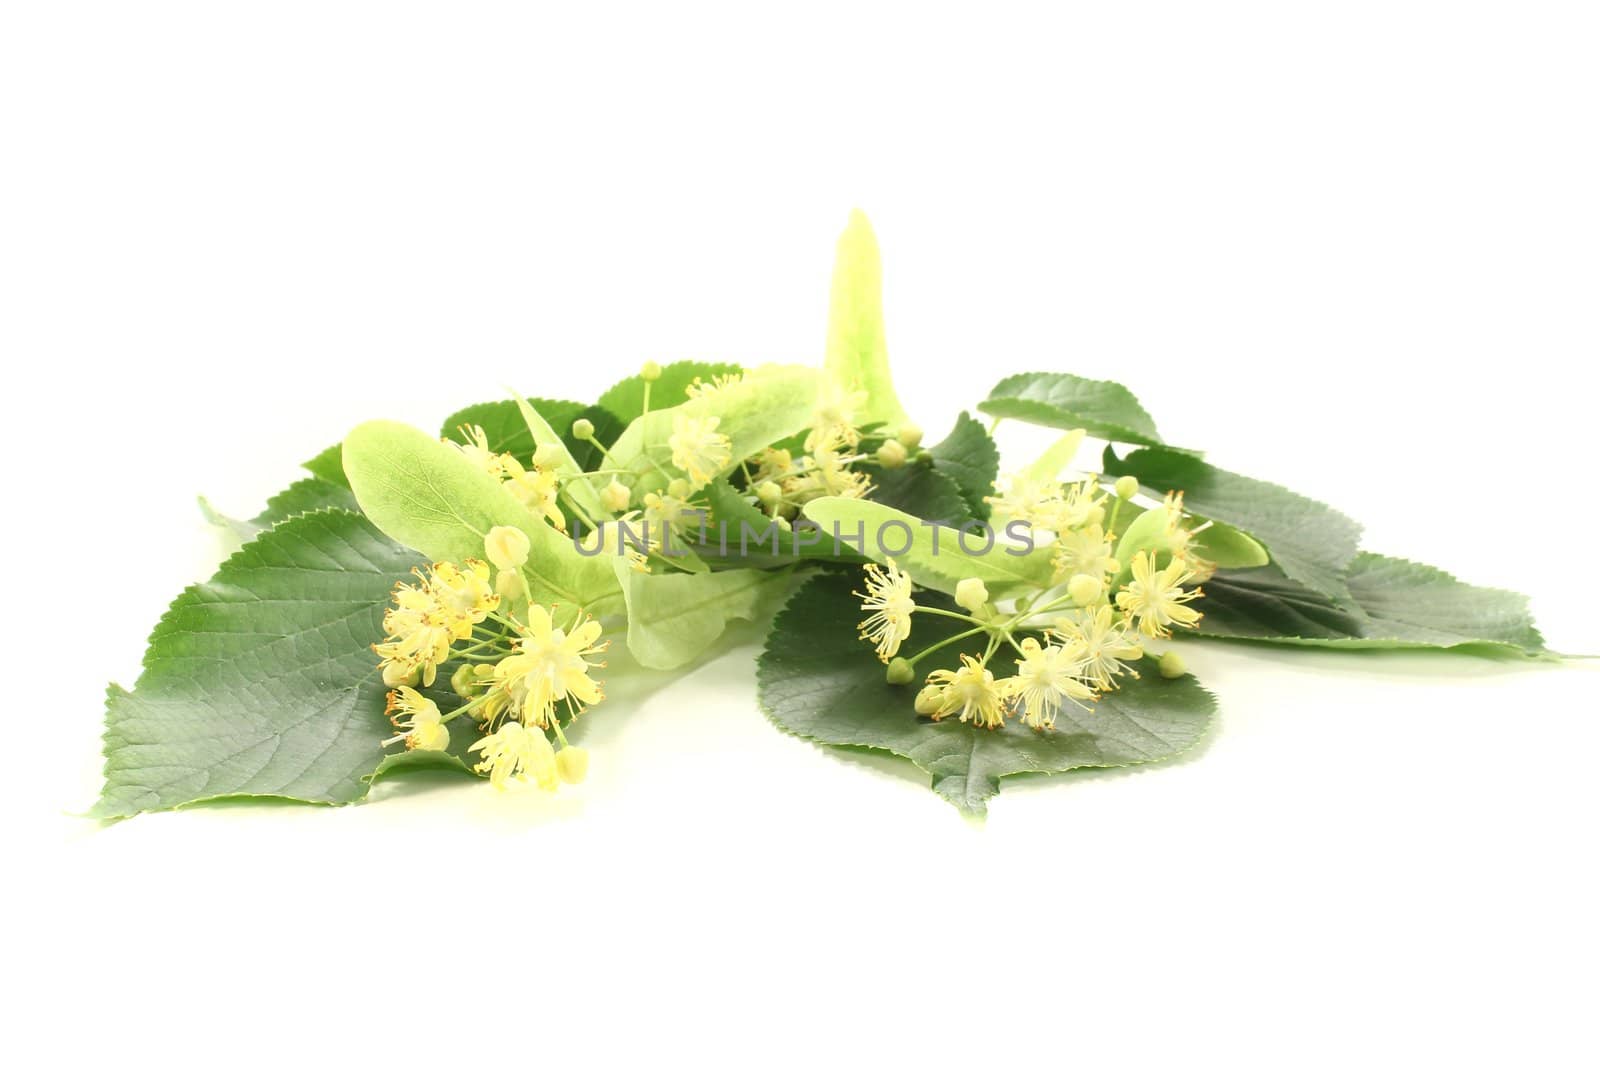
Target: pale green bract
(857, 358)
(430, 497)
(675, 618)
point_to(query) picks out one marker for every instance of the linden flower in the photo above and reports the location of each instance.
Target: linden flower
(698, 449)
(973, 690)
(1046, 675)
(417, 719)
(537, 490)
(548, 667)
(427, 618)
(516, 753)
(1157, 598)
(1104, 644)
(697, 388)
(888, 597)
(1084, 551)
(833, 423)
(1024, 500)
(476, 448)
(1180, 539)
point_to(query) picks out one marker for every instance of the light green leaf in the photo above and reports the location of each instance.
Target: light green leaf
(261, 682)
(817, 680)
(766, 405)
(933, 556)
(673, 618)
(428, 496)
(857, 354)
(969, 458)
(1105, 409)
(1311, 541)
(1048, 468)
(1397, 604)
(625, 400)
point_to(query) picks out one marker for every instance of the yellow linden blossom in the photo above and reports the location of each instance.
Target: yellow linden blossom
(1084, 551)
(515, 753)
(972, 689)
(888, 597)
(697, 388)
(1157, 599)
(417, 719)
(476, 448)
(1046, 675)
(1080, 504)
(833, 424)
(537, 490)
(549, 666)
(698, 449)
(1180, 539)
(1105, 645)
(1024, 500)
(430, 616)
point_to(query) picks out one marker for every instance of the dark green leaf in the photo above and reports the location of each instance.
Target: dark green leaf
(739, 533)
(262, 681)
(306, 495)
(1311, 541)
(625, 400)
(1105, 409)
(1397, 604)
(505, 428)
(818, 681)
(919, 490)
(969, 458)
(328, 465)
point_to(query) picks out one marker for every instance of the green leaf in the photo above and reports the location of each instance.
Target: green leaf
(625, 400)
(817, 680)
(673, 618)
(328, 465)
(428, 496)
(766, 544)
(920, 490)
(1105, 409)
(1311, 541)
(1397, 604)
(262, 681)
(505, 428)
(969, 458)
(767, 404)
(857, 354)
(932, 556)
(303, 496)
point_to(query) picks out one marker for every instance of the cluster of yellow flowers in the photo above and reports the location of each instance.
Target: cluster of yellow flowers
(517, 667)
(538, 489)
(1068, 643)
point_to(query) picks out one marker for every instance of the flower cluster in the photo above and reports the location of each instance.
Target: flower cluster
(1069, 643)
(538, 487)
(519, 668)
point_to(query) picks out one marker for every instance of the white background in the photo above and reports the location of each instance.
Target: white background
(1348, 247)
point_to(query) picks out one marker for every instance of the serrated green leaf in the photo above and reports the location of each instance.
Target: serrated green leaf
(818, 681)
(625, 400)
(430, 497)
(767, 404)
(328, 465)
(505, 428)
(1311, 541)
(303, 496)
(1396, 604)
(969, 458)
(674, 618)
(262, 681)
(1065, 401)
(920, 490)
(932, 556)
(857, 355)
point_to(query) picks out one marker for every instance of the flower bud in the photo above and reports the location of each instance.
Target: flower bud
(971, 593)
(583, 430)
(432, 736)
(769, 494)
(929, 700)
(572, 763)
(900, 671)
(1172, 665)
(507, 547)
(651, 371)
(548, 456)
(461, 681)
(678, 489)
(396, 674)
(1127, 487)
(1084, 589)
(508, 585)
(615, 496)
(923, 457)
(892, 454)
(910, 436)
